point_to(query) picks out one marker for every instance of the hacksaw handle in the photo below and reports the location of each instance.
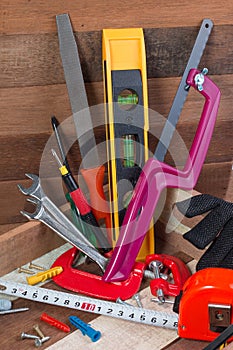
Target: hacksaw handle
(94, 178)
(157, 176)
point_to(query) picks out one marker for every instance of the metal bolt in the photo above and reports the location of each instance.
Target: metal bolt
(137, 298)
(28, 336)
(34, 266)
(204, 71)
(150, 275)
(199, 79)
(219, 316)
(22, 269)
(120, 301)
(155, 266)
(39, 342)
(38, 331)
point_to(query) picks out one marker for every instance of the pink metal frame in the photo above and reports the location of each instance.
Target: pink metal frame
(157, 176)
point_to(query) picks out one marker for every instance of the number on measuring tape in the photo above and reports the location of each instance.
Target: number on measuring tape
(97, 306)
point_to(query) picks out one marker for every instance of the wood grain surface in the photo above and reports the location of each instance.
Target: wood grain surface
(15, 324)
(32, 89)
(30, 17)
(32, 60)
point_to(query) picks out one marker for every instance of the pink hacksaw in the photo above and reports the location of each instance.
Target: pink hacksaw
(156, 176)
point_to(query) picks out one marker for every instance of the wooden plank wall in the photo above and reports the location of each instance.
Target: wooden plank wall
(32, 86)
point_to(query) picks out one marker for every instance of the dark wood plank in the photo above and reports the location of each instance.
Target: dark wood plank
(30, 127)
(14, 201)
(25, 243)
(215, 179)
(30, 60)
(8, 227)
(23, 153)
(24, 322)
(94, 15)
(15, 324)
(27, 110)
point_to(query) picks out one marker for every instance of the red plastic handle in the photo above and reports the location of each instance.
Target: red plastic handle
(94, 179)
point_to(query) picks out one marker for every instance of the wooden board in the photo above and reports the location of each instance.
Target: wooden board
(166, 242)
(32, 81)
(32, 89)
(33, 239)
(97, 15)
(207, 183)
(24, 243)
(111, 329)
(41, 51)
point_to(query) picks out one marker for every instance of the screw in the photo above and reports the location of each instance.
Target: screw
(28, 336)
(156, 300)
(39, 342)
(150, 275)
(219, 316)
(22, 269)
(138, 300)
(38, 331)
(120, 301)
(34, 266)
(155, 266)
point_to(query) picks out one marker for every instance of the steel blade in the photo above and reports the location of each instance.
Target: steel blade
(77, 92)
(182, 92)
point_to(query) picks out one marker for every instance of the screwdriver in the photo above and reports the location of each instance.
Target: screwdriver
(81, 225)
(86, 229)
(74, 210)
(55, 125)
(82, 204)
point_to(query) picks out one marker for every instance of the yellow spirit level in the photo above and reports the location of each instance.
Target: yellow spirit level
(125, 88)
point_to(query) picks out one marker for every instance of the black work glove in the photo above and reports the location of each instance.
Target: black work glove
(215, 227)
